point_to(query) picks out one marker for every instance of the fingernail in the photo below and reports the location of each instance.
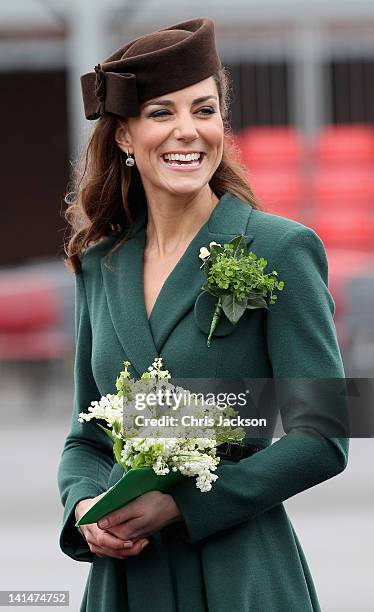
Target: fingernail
(127, 544)
(103, 523)
(144, 544)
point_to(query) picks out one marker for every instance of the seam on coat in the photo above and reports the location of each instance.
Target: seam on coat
(86, 300)
(248, 220)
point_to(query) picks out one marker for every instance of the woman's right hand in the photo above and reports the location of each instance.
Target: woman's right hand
(102, 543)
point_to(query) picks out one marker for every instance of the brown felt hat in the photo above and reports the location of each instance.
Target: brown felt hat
(155, 64)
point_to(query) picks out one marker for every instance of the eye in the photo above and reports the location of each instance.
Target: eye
(209, 110)
(160, 113)
(206, 110)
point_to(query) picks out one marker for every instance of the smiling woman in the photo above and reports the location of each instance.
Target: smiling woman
(164, 140)
(177, 151)
(106, 197)
(159, 180)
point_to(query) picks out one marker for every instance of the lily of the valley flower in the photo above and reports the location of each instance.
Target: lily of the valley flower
(191, 450)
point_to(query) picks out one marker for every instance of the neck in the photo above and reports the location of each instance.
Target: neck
(172, 225)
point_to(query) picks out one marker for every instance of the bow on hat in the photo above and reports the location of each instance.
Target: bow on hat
(105, 91)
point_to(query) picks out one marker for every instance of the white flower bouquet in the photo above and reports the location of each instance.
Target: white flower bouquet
(155, 448)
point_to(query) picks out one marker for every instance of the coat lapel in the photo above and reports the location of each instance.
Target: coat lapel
(143, 339)
(123, 284)
(183, 286)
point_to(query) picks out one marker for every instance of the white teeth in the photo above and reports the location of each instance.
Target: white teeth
(182, 157)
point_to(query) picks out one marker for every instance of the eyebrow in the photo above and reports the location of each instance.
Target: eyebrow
(171, 103)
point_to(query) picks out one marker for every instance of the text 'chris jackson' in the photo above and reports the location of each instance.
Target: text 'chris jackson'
(191, 421)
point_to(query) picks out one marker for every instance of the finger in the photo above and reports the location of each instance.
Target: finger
(108, 541)
(130, 530)
(137, 548)
(126, 513)
(96, 550)
(103, 552)
(82, 531)
(97, 537)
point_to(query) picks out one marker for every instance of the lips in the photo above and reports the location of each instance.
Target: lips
(184, 166)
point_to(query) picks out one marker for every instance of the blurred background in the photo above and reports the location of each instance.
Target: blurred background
(303, 119)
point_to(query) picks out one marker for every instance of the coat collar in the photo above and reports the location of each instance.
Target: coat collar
(143, 339)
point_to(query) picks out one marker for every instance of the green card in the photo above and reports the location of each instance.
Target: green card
(132, 484)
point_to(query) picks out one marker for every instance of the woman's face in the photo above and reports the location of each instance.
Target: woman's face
(187, 121)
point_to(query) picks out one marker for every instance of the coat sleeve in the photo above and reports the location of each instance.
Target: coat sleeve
(302, 343)
(87, 456)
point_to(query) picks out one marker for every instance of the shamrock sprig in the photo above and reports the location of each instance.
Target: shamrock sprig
(237, 280)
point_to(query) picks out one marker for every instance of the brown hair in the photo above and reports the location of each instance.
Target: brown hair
(107, 196)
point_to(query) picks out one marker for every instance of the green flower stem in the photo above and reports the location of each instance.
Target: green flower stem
(216, 318)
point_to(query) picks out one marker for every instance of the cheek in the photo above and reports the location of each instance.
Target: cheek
(154, 138)
(215, 135)
(148, 138)
(156, 131)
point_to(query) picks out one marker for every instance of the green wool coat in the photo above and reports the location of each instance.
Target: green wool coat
(236, 548)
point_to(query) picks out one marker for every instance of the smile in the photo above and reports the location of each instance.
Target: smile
(183, 165)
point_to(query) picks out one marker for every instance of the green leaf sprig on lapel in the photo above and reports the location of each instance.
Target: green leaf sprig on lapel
(237, 280)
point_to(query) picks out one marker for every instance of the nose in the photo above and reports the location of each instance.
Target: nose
(186, 128)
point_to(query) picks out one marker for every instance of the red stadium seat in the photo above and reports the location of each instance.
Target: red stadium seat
(344, 266)
(342, 187)
(271, 146)
(29, 317)
(352, 143)
(26, 303)
(280, 191)
(345, 229)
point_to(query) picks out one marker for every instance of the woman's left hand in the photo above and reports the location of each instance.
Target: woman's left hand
(142, 516)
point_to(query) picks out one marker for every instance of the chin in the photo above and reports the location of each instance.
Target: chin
(185, 189)
(187, 192)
